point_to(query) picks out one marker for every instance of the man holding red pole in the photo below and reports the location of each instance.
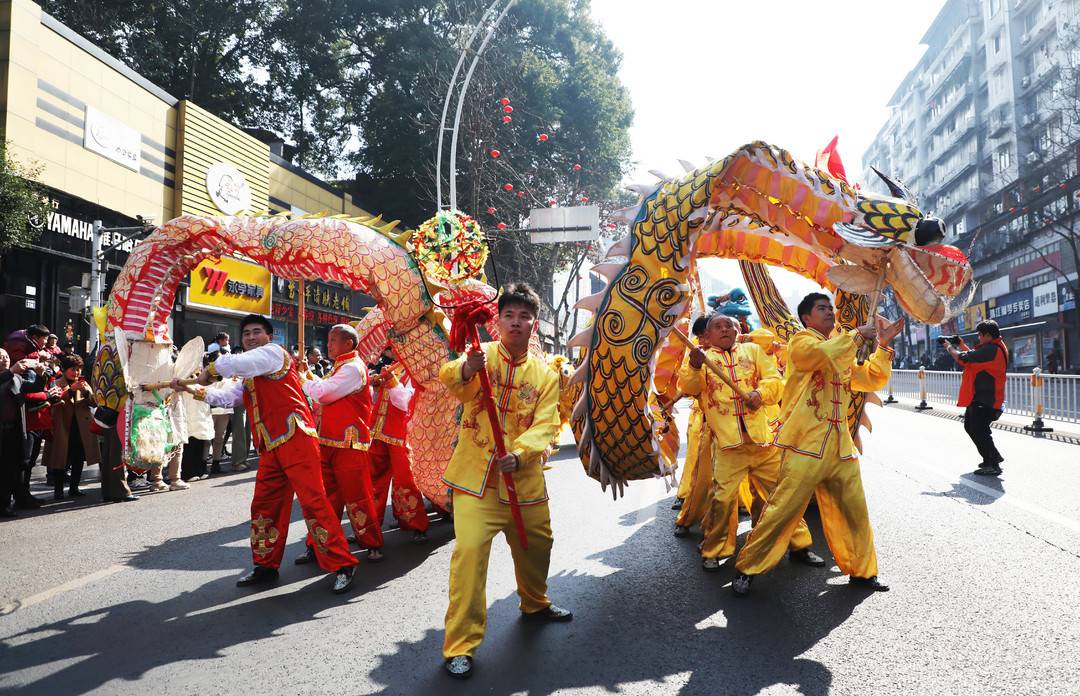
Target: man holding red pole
(526, 396)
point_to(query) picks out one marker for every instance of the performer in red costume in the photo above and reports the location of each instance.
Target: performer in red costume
(390, 459)
(288, 446)
(345, 439)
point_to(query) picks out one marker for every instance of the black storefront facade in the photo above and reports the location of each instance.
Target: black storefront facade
(35, 280)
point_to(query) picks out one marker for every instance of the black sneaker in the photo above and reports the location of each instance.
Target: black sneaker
(257, 576)
(741, 584)
(990, 470)
(869, 583)
(551, 614)
(343, 579)
(308, 556)
(807, 557)
(459, 667)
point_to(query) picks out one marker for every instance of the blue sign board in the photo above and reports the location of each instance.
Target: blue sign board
(1011, 309)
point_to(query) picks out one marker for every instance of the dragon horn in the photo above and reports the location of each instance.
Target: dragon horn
(897, 189)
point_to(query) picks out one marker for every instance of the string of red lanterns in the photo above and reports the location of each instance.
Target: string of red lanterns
(543, 137)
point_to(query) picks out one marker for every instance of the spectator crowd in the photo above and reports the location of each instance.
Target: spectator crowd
(47, 409)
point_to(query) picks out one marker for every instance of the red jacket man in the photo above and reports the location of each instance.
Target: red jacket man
(344, 438)
(390, 458)
(982, 390)
(284, 433)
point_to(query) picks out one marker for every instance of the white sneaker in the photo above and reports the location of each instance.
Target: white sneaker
(179, 485)
(159, 486)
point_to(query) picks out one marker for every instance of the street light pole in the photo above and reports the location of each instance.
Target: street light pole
(461, 100)
(95, 272)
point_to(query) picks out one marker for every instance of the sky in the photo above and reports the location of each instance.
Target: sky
(706, 76)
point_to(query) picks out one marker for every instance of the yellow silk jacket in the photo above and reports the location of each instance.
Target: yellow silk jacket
(526, 394)
(750, 368)
(821, 376)
(772, 411)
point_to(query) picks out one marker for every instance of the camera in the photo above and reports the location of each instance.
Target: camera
(955, 340)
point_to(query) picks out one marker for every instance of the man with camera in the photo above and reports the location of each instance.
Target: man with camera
(982, 388)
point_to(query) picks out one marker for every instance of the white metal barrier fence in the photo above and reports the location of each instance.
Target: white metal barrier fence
(1034, 394)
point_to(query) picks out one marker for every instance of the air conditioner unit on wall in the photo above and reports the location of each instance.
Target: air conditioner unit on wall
(1025, 81)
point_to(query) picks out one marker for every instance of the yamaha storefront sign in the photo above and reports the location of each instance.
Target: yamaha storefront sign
(35, 280)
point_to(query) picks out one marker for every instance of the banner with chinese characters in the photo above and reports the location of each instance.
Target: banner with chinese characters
(314, 317)
(319, 296)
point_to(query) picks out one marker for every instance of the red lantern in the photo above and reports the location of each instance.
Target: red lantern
(508, 109)
(501, 226)
(543, 137)
(507, 119)
(521, 194)
(577, 167)
(1048, 221)
(495, 154)
(584, 199)
(491, 210)
(508, 187)
(1036, 188)
(1012, 210)
(1026, 208)
(1062, 186)
(552, 201)
(504, 101)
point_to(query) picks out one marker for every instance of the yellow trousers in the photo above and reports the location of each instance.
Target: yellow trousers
(693, 441)
(841, 503)
(476, 522)
(696, 504)
(731, 467)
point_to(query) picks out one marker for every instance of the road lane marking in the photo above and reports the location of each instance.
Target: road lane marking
(48, 594)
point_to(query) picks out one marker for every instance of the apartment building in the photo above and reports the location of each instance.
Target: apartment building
(984, 130)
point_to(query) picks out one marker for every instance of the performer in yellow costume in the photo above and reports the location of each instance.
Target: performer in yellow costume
(696, 481)
(742, 438)
(526, 394)
(820, 455)
(749, 497)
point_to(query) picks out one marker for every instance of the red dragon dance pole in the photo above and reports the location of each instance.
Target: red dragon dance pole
(466, 317)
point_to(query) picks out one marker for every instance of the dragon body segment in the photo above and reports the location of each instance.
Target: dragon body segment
(350, 251)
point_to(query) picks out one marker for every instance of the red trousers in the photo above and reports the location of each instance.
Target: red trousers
(391, 462)
(294, 467)
(347, 477)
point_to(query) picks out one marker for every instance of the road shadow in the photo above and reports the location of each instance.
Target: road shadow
(196, 625)
(969, 490)
(109, 641)
(653, 616)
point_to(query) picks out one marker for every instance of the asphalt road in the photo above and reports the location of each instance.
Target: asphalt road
(140, 598)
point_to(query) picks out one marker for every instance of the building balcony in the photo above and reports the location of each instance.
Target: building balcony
(999, 124)
(950, 176)
(948, 108)
(961, 61)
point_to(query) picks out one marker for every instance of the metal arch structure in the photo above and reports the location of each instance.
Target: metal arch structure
(492, 25)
